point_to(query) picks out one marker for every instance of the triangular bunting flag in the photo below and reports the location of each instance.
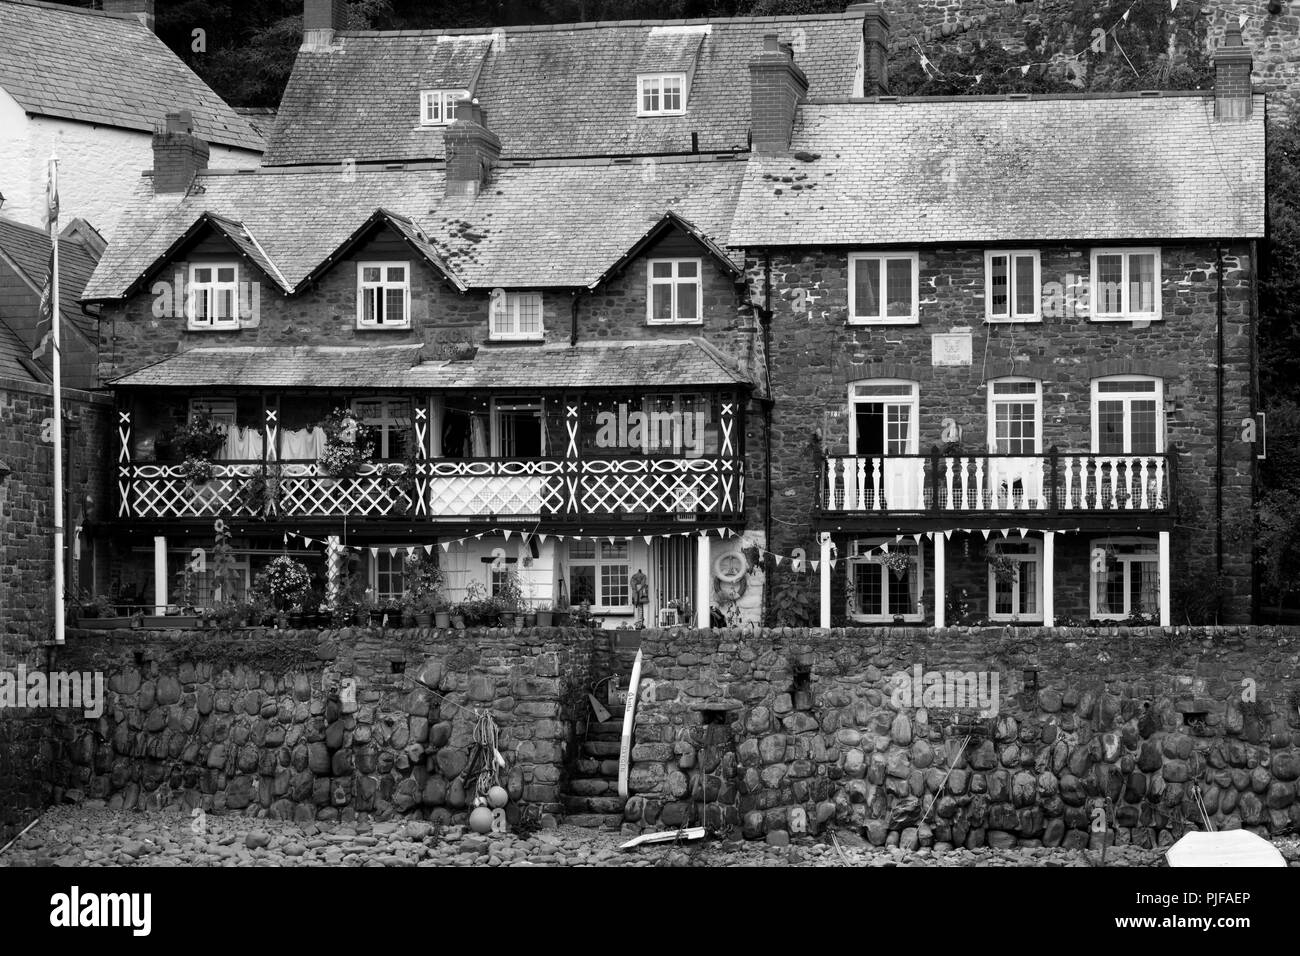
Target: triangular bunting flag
(507, 532)
(543, 537)
(1024, 532)
(477, 537)
(947, 534)
(916, 538)
(1006, 532)
(985, 532)
(1124, 17)
(446, 545)
(1173, 4)
(1024, 70)
(392, 552)
(814, 562)
(374, 552)
(1241, 21)
(410, 552)
(647, 537)
(428, 549)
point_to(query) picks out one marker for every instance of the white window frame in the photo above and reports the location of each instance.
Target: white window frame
(1036, 399)
(1034, 557)
(383, 285)
(211, 291)
(1128, 398)
(674, 281)
(438, 107)
(178, 558)
(657, 79)
(863, 553)
(386, 423)
(1011, 315)
(1127, 560)
(508, 305)
(882, 317)
(912, 401)
(1126, 314)
(600, 563)
(372, 571)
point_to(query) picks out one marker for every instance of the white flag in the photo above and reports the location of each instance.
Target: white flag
(1024, 70)
(646, 538)
(507, 532)
(1241, 21)
(428, 549)
(446, 545)
(947, 535)
(1024, 532)
(1173, 4)
(374, 552)
(814, 563)
(543, 537)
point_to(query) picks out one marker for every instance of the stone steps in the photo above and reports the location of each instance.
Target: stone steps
(592, 805)
(601, 748)
(609, 821)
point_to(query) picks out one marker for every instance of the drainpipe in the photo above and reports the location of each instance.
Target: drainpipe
(765, 317)
(1255, 403)
(1218, 384)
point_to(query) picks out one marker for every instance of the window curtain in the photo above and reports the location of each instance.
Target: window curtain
(437, 410)
(1148, 596)
(478, 428)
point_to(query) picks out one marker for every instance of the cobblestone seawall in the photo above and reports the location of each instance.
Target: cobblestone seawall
(782, 730)
(324, 725)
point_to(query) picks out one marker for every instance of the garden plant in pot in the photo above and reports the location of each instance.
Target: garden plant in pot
(423, 585)
(197, 442)
(285, 584)
(442, 612)
(509, 599)
(545, 615)
(348, 444)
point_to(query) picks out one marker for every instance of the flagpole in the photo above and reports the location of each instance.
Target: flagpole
(55, 323)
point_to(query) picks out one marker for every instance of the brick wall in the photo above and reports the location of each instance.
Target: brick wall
(1118, 720)
(815, 356)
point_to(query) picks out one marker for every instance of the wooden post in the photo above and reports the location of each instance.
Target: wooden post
(703, 580)
(1165, 616)
(824, 539)
(159, 574)
(1049, 575)
(940, 578)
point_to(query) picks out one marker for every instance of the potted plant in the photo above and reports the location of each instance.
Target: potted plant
(476, 608)
(899, 563)
(1004, 568)
(442, 613)
(284, 583)
(545, 615)
(197, 471)
(423, 610)
(509, 599)
(348, 444)
(295, 616)
(457, 615)
(258, 495)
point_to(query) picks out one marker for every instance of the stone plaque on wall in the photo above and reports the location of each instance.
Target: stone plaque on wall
(950, 348)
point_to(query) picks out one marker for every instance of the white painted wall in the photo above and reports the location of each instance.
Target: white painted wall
(99, 166)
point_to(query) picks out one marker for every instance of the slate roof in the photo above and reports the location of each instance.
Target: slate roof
(110, 69)
(28, 248)
(376, 366)
(556, 90)
(548, 225)
(15, 357)
(984, 169)
(639, 364)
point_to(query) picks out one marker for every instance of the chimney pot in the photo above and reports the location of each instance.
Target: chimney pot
(472, 150)
(770, 43)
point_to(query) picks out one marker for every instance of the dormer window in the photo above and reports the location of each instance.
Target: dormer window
(438, 107)
(661, 94)
(383, 295)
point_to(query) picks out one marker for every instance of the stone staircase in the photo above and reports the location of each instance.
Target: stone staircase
(590, 794)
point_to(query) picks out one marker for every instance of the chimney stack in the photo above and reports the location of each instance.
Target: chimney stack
(776, 85)
(321, 19)
(875, 48)
(141, 9)
(472, 150)
(1232, 64)
(178, 155)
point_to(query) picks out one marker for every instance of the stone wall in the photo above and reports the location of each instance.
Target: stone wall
(266, 722)
(769, 729)
(815, 356)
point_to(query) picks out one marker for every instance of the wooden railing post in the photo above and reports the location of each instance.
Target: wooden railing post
(1053, 473)
(934, 479)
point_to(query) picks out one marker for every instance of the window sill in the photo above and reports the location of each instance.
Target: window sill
(230, 327)
(394, 327)
(1018, 320)
(641, 115)
(1026, 621)
(674, 321)
(516, 340)
(892, 320)
(1127, 317)
(885, 618)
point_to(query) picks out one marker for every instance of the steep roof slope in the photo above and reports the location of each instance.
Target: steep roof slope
(57, 60)
(563, 90)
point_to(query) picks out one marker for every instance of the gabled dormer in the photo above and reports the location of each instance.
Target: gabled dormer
(451, 76)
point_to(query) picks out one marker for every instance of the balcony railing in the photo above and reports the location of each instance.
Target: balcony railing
(434, 489)
(1052, 483)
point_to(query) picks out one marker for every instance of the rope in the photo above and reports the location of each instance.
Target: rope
(942, 783)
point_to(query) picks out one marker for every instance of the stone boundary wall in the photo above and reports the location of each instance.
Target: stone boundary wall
(265, 720)
(777, 730)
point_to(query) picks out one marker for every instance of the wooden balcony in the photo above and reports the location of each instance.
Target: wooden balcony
(1058, 484)
(442, 490)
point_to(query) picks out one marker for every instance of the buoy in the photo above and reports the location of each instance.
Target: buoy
(480, 820)
(497, 796)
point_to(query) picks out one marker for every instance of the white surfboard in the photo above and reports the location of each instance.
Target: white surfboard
(629, 718)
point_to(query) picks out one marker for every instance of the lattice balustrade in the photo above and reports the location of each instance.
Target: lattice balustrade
(658, 486)
(478, 488)
(375, 491)
(162, 491)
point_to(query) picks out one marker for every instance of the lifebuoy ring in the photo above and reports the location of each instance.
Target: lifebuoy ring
(730, 567)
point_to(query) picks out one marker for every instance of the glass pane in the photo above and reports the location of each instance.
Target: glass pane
(530, 314)
(1110, 428)
(1026, 293)
(688, 269)
(394, 305)
(866, 287)
(1028, 580)
(370, 274)
(870, 390)
(662, 270)
(613, 549)
(688, 301)
(582, 549)
(900, 593)
(582, 584)
(898, 422)
(1148, 385)
(1108, 285)
(226, 275)
(1142, 282)
(1002, 597)
(998, 295)
(1143, 418)
(867, 588)
(201, 275)
(397, 273)
(614, 585)
(369, 301)
(898, 283)
(1015, 427)
(661, 300)
(1110, 589)
(1015, 388)
(1146, 575)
